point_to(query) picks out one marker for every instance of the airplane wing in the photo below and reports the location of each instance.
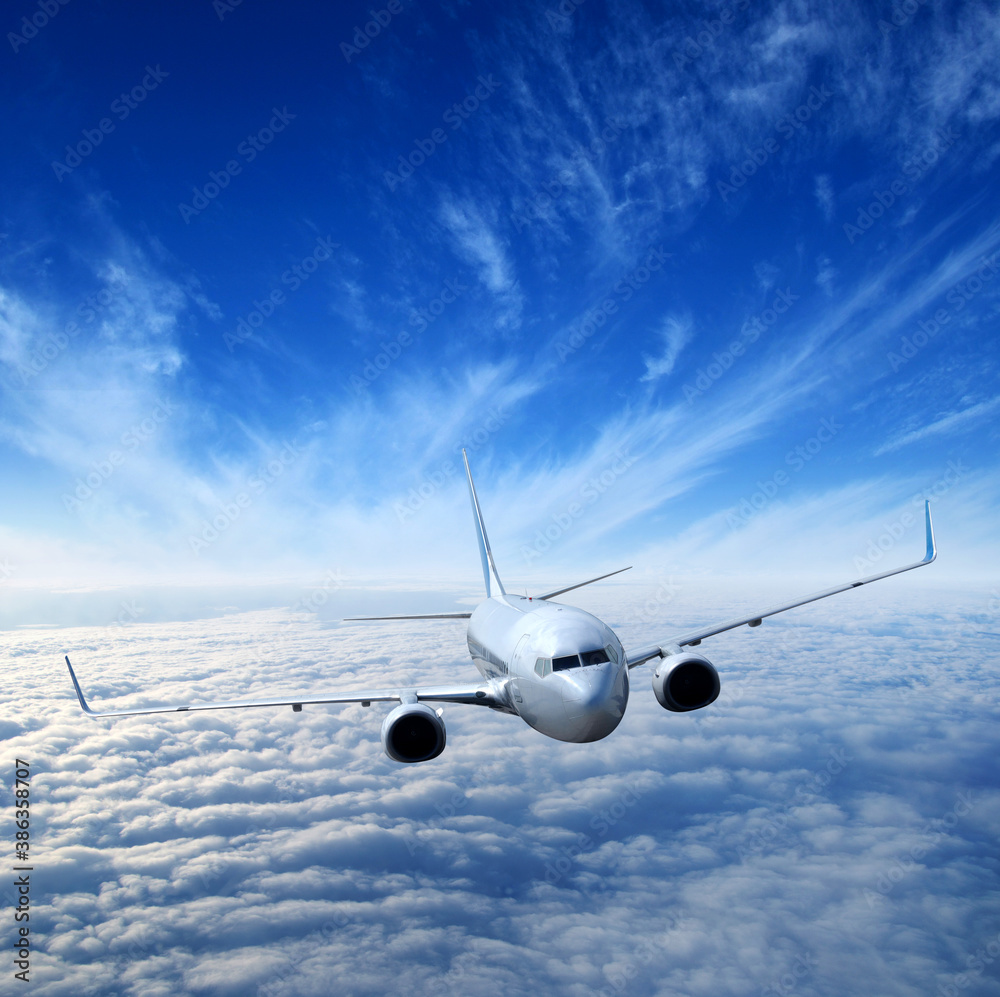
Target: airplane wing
(481, 695)
(695, 637)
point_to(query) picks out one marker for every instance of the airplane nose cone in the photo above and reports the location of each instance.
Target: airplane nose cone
(595, 699)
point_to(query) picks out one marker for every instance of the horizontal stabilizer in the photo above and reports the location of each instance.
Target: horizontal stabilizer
(579, 585)
(425, 616)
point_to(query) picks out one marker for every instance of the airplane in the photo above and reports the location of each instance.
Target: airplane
(560, 669)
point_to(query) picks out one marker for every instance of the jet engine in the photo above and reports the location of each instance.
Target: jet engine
(685, 681)
(413, 732)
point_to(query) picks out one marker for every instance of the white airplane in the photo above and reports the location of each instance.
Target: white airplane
(560, 669)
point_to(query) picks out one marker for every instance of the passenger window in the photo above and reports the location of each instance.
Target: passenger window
(597, 657)
(567, 661)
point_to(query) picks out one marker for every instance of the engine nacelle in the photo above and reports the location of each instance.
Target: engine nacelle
(685, 681)
(413, 733)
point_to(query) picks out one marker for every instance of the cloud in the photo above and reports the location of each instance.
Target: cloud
(310, 854)
(951, 422)
(824, 195)
(826, 273)
(479, 245)
(676, 332)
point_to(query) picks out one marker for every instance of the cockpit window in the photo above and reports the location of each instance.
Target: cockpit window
(544, 666)
(567, 661)
(612, 653)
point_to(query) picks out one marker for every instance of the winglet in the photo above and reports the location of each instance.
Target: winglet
(79, 691)
(485, 554)
(931, 546)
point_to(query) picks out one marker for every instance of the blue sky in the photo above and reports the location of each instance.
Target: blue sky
(708, 289)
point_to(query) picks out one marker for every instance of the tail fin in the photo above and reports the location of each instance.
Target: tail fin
(486, 555)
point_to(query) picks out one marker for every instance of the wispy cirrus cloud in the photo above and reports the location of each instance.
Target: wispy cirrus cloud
(676, 332)
(948, 423)
(477, 242)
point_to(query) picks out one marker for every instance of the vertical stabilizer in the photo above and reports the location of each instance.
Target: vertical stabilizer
(484, 541)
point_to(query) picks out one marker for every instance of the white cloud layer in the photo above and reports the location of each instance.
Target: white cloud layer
(824, 829)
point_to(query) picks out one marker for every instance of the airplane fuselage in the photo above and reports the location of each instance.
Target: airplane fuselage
(562, 670)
